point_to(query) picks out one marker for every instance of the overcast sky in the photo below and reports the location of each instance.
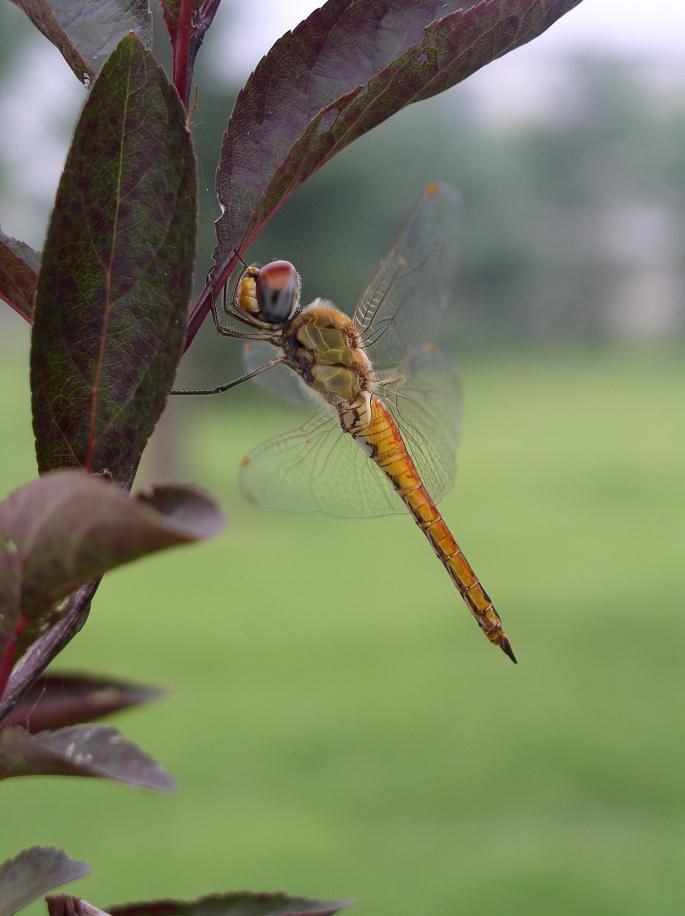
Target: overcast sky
(244, 30)
(247, 29)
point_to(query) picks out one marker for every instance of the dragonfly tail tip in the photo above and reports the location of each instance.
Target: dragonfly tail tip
(505, 646)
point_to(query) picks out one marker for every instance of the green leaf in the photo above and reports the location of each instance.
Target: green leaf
(57, 700)
(19, 265)
(340, 73)
(34, 872)
(87, 31)
(69, 527)
(81, 750)
(116, 272)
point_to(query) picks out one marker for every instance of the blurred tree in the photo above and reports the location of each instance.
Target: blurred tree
(573, 215)
(560, 213)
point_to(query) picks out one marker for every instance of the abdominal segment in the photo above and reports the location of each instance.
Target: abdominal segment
(383, 443)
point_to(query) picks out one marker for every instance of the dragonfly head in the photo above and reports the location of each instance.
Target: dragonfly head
(270, 293)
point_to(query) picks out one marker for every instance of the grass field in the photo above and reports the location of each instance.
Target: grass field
(360, 738)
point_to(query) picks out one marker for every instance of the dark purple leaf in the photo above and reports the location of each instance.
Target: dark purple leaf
(69, 527)
(116, 272)
(62, 905)
(82, 750)
(87, 31)
(341, 72)
(19, 265)
(34, 872)
(58, 700)
(243, 903)
(240, 904)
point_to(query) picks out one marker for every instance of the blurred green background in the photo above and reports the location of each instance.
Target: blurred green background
(361, 739)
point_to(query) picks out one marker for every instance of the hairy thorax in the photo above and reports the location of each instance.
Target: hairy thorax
(323, 345)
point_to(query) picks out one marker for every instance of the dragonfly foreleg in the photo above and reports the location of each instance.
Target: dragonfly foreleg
(232, 384)
(260, 331)
(244, 318)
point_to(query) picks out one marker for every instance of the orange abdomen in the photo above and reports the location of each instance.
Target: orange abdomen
(387, 449)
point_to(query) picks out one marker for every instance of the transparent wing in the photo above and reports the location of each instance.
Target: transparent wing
(319, 468)
(404, 303)
(280, 380)
(423, 396)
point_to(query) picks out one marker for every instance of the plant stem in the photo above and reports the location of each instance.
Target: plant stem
(42, 652)
(7, 661)
(186, 38)
(212, 290)
(51, 643)
(182, 64)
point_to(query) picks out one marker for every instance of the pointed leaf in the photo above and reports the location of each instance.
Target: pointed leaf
(341, 72)
(19, 265)
(58, 700)
(34, 872)
(243, 903)
(116, 273)
(87, 31)
(68, 527)
(82, 750)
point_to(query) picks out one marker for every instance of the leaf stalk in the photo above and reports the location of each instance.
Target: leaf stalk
(7, 661)
(186, 39)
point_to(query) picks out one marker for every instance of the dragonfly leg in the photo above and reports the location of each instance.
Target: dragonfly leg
(241, 335)
(232, 384)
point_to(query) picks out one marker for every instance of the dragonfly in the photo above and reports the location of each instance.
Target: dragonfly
(383, 438)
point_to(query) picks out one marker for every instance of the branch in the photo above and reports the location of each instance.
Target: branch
(47, 647)
(7, 661)
(212, 291)
(181, 41)
(186, 39)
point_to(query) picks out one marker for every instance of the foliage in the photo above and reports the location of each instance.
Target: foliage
(108, 317)
(240, 904)
(33, 872)
(19, 265)
(86, 32)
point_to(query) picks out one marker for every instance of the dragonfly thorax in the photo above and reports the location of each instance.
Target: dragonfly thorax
(325, 348)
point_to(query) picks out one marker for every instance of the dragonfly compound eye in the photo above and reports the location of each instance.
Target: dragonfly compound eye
(278, 291)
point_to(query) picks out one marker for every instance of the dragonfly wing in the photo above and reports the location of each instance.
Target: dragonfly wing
(404, 303)
(317, 468)
(279, 381)
(320, 468)
(423, 396)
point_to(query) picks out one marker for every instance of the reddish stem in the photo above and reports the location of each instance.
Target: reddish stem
(186, 37)
(212, 290)
(47, 646)
(182, 65)
(7, 661)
